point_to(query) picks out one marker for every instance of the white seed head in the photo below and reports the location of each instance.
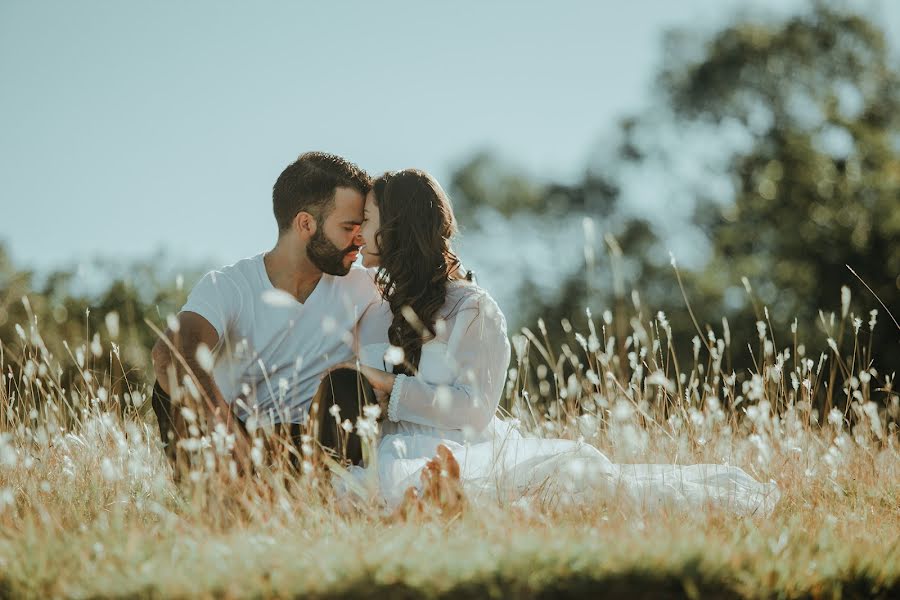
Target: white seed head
(96, 347)
(278, 298)
(365, 428)
(109, 471)
(112, 324)
(205, 358)
(394, 355)
(440, 327)
(663, 322)
(443, 398)
(372, 411)
(190, 444)
(845, 300)
(835, 417)
(189, 415)
(329, 324)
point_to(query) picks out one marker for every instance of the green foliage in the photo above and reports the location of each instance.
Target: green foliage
(485, 181)
(819, 187)
(816, 189)
(68, 319)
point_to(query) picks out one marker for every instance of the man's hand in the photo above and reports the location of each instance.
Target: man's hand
(177, 357)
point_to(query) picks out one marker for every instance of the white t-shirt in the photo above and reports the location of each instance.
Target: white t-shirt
(273, 350)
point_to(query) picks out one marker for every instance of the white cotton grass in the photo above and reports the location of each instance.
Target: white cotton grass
(394, 355)
(205, 358)
(84, 485)
(112, 324)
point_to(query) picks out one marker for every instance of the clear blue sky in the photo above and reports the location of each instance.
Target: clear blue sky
(126, 127)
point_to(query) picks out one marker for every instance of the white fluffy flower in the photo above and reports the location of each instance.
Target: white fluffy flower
(835, 417)
(205, 358)
(394, 355)
(372, 411)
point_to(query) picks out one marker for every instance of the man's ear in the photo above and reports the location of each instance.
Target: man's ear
(305, 224)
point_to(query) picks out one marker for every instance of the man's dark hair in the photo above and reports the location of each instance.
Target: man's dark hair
(309, 183)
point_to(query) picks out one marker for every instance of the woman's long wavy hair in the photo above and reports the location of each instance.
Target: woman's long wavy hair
(417, 226)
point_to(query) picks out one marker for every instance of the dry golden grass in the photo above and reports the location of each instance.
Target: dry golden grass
(88, 507)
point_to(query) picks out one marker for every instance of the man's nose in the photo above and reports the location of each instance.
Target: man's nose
(358, 238)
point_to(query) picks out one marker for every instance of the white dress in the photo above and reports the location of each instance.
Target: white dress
(453, 401)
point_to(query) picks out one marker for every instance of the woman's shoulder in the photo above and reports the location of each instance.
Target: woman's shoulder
(465, 295)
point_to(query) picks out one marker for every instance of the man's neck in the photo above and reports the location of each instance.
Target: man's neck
(291, 270)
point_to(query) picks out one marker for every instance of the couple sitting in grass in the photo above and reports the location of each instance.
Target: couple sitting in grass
(303, 340)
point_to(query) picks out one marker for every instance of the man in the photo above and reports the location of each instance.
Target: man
(254, 338)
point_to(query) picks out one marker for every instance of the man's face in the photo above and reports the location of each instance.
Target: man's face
(335, 244)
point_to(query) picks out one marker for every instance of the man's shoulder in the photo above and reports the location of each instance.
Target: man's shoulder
(238, 278)
(221, 294)
(243, 266)
(240, 271)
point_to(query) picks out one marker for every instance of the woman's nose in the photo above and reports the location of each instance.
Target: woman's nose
(358, 238)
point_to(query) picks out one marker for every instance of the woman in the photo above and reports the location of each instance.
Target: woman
(436, 353)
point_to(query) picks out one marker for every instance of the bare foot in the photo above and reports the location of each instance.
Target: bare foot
(411, 506)
(441, 489)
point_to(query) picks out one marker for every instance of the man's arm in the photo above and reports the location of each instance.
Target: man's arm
(194, 331)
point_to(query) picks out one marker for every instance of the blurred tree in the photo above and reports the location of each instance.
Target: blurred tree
(487, 182)
(816, 186)
(819, 186)
(67, 320)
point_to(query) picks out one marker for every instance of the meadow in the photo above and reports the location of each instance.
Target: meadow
(89, 509)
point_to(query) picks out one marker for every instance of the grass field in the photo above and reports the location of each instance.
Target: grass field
(88, 507)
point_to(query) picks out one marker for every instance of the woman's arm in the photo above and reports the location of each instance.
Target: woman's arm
(478, 351)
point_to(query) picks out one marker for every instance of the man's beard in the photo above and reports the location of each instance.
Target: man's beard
(326, 256)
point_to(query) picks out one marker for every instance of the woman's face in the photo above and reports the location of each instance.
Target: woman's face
(371, 223)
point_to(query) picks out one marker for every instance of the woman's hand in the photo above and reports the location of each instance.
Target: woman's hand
(381, 381)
